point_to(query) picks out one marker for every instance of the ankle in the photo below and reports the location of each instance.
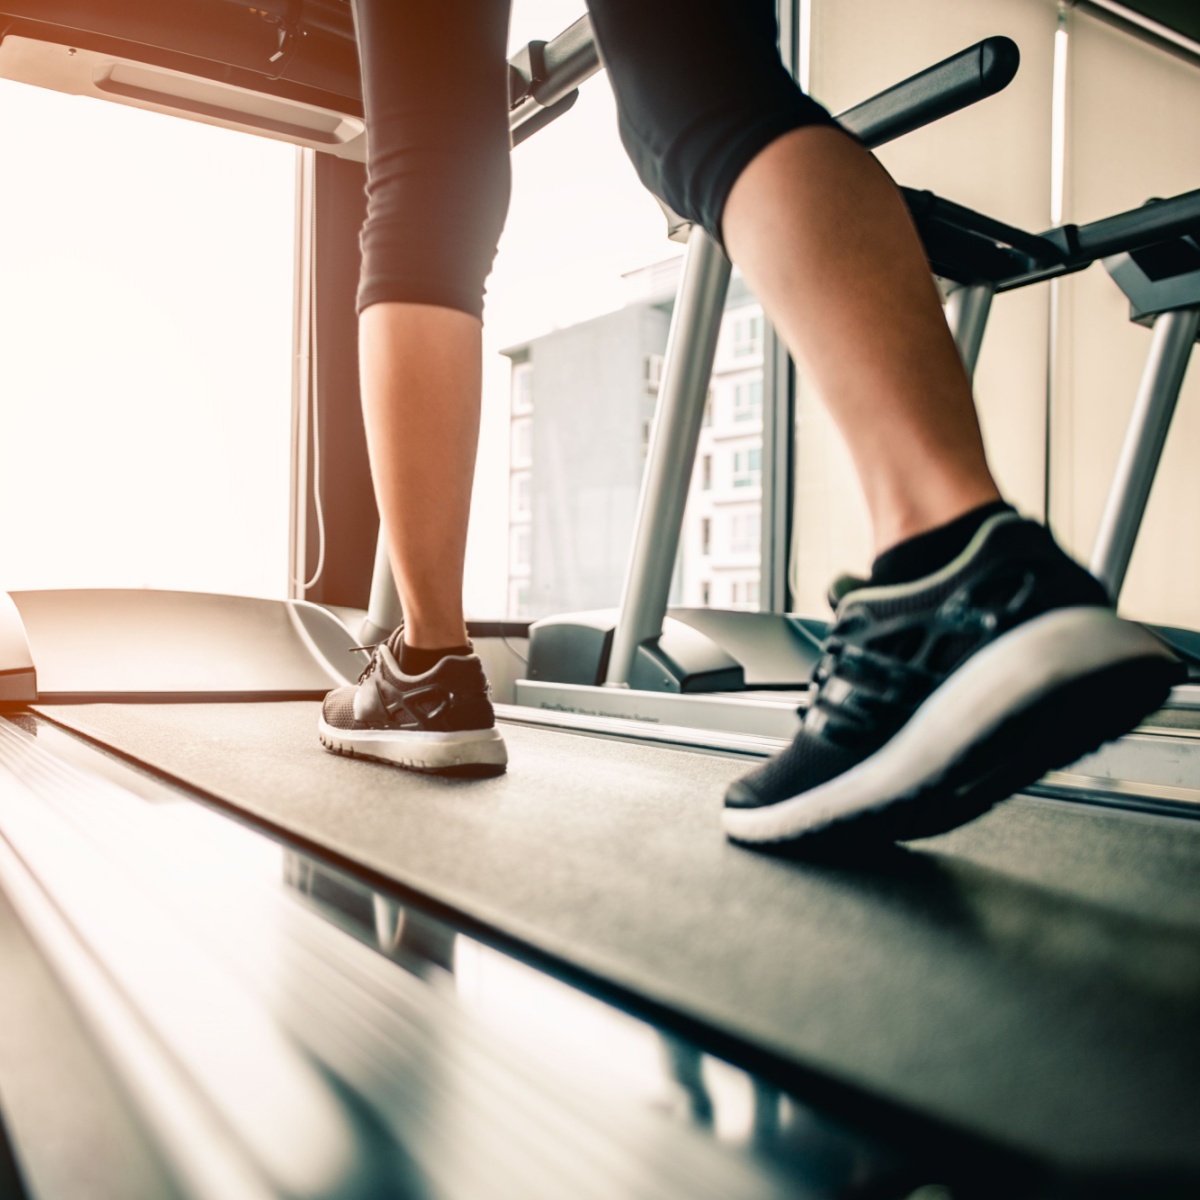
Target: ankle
(930, 551)
(900, 519)
(417, 660)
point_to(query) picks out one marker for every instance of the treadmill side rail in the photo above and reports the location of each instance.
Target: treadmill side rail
(18, 677)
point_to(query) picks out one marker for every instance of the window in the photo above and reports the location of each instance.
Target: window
(134, 396)
(747, 467)
(747, 336)
(706, 593)
(706, 535)
(752, 592)
(518, 599)
(745, 533)
(706, 473)
(708, 410)
(522, 388)
(652, 369)
(520, 548)
(522, 442)
(747, 401)
(647, 428)
(521, 496)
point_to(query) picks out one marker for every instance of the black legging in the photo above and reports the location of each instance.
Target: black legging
(700, 91)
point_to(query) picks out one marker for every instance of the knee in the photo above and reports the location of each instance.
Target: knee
(699, 94)
(435, 213)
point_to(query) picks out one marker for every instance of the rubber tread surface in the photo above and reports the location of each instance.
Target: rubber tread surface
(1033, 977)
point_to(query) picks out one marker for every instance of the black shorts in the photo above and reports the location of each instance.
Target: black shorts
(700, 91)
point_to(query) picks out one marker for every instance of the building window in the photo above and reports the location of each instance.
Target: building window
(706, 473)
(518, 599)
(521, 496)
(522, 442)
(706, 593)
(708, 410)
(522, 388)
(652, 369)
(752, 592)
(745, 533)
(647, 428)
(521, 548)
(747, 401)
(706, 535)
(747, 467)
(747, 336)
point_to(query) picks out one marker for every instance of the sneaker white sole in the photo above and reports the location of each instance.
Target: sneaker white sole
(969, 740)
(469, 751)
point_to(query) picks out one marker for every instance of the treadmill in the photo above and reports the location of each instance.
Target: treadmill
(288, 974)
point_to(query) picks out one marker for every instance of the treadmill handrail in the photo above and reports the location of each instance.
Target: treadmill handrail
(1068, 248)
(544, 76)
(955, 83)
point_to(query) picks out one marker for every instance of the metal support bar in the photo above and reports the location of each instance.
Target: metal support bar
(967, 310)
(383, 609)
(687, 368)
(1174, 335)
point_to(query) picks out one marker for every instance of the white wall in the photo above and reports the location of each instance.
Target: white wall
(1133, 131)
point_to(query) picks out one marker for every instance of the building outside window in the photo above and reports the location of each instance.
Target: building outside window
(705, 593)
(745, 533)
(652, 369)
(747, 401)
(706, 473)
(706, 536)
(747, 336)
(747, 467)
(522, 442)
(518, 599)
(520, 548)
(522, 388)
(521, 505)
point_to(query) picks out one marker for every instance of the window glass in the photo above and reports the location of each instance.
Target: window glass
(578, 309)
(747, 467)
(146, 298)
(521, 495)
(522, 388)
(521, 541)
(522, 443)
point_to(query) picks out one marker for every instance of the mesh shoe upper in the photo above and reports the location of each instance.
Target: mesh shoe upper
(892, 646)
(451, 697)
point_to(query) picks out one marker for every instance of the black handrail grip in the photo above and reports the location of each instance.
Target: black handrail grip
(926, 204)
(1155, 221)
(981, 70)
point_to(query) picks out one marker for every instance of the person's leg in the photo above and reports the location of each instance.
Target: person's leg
(435, 90)
(825, 241)
(977, 655)
(419, 367)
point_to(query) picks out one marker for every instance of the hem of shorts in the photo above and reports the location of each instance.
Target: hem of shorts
(747, 147)
(403, 291)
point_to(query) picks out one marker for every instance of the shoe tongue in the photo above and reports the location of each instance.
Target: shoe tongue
(842, 586)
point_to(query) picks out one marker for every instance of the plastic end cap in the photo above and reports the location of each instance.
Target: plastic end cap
(999, 61)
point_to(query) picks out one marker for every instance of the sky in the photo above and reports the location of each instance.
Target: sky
(146, 287)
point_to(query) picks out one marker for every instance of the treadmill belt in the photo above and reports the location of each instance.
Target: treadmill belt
(1033, 978)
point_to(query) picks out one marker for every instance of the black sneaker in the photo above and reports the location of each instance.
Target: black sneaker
(440, 722)
(934, 700)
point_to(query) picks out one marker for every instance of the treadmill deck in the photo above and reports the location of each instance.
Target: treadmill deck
(1033, 978)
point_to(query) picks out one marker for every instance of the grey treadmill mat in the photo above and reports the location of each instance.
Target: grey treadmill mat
(1033, 977)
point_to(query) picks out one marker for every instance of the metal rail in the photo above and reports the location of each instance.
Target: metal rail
(953, 84)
